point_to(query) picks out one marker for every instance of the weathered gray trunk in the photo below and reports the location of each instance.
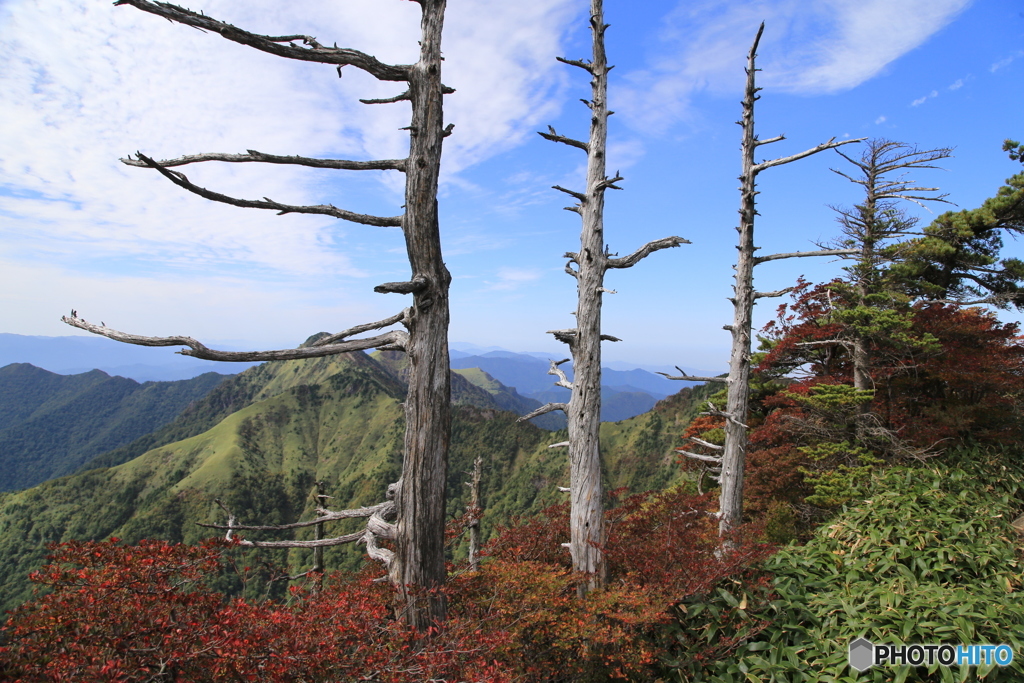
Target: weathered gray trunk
(586, 516)
(474, 509)
(744, 297)
(419, 556)
(738, 392)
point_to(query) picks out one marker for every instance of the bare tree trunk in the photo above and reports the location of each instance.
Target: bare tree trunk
(738, 392)
(586, 516)
(474, 511)
(417, 501)
(419, 556)
(733, 458)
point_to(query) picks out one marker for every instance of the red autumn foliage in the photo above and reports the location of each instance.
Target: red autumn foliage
(964, 386)
(661, 550)
(120, 614)
(963, 382)
(143, 613)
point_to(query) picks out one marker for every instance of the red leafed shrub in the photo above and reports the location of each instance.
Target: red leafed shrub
(122, 614)
(661, 550)
(143, 613)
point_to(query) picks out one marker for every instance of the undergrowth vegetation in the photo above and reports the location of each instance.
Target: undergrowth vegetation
(928, 557)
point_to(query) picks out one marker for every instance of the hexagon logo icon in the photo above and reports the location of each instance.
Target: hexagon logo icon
(862, 654)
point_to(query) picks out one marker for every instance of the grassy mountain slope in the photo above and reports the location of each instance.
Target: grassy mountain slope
(345, 428)
(50, 424)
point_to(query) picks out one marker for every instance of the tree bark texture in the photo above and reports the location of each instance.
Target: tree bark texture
(738, 392)
(586, 516)
(420, 499)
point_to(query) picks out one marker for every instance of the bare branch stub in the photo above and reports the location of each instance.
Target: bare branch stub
(555, 137)
(717, 459)
(705, 444)
(544, 409)
(563, 381)
(693, 378)
(774, 294)
(417, 284)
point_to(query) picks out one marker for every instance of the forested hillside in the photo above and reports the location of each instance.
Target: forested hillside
(280, 427)
(50, 425)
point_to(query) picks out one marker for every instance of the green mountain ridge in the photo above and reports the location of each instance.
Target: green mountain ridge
(281, 427)
(51, 424)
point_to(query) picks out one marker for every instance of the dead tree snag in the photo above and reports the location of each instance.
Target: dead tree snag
(588, 267)
(413, 515)
(733, 456)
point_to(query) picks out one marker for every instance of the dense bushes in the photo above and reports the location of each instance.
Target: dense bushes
(147, 612)
(928, 557)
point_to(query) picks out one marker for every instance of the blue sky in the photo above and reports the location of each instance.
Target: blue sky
(85, 83)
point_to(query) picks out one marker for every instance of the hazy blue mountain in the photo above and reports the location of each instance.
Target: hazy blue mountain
(51, 424)
(617, 403)
(625, 393)
(78, 354)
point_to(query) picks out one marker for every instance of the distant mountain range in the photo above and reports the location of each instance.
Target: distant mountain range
(77, 354)
(526, 384)
(259, 440)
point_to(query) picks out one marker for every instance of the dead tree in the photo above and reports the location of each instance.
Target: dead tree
(473, 510)
(732, 458)
(591, 263)
(413, 515)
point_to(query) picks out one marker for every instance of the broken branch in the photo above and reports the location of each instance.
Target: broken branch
(645, 251)
(314, 53)
(180, 180)
(394, 339)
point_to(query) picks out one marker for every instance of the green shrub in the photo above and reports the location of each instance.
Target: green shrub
(928, 557)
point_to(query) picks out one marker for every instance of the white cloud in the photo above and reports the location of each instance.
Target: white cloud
(514, 278)
(807, 48)
(957, 85)
(1005, 62)
(921, 100)
(122, 80)
(879, 120)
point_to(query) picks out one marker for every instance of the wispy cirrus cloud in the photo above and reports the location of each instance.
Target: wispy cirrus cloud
(510, 279)
(1005, 62)
(921, 100)
(808, 48)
